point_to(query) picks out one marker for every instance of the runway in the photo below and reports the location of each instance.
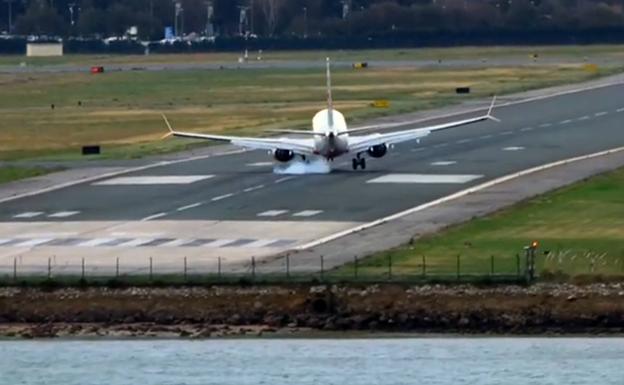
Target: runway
(229, 208)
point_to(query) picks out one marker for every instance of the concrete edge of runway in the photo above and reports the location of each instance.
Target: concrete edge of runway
(434, 216)
(457, 195)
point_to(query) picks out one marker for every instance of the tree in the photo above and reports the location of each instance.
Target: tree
(271, 10)
(40, 19)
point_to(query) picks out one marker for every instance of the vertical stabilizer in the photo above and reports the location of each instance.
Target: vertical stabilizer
(330, 104)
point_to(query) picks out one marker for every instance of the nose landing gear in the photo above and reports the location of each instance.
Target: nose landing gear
(358, 162)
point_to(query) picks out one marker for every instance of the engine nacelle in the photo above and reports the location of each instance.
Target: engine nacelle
(283, 155)
(378, 151)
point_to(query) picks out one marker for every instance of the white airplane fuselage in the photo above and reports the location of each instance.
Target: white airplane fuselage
(332, 141)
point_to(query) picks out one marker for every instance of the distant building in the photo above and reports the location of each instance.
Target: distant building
(44, 49)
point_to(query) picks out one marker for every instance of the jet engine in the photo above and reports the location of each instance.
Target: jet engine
(378, 151)
(283, 155)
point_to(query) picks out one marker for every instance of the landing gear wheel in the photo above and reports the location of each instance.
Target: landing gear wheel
(358, 162)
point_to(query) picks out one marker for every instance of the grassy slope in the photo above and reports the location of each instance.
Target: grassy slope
(10, 174)
(581, 226)
(121, 110)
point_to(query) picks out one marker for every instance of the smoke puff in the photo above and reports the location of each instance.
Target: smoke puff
(297, 167)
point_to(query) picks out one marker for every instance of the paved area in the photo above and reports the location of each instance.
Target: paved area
(232, 207)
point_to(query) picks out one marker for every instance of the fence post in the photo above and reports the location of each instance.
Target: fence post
(82, 271)
(287, 266)
(151, 267)
(49, 268)
(424, 266)
(219, 267)
(185, 269)
(355, 266)
(117, 267)
(458, 267)
(253, 267)
(389, 266)
(322, 267)
(15, 269)
(491, 265)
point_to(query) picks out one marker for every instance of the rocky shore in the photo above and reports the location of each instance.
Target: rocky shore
(223, 311)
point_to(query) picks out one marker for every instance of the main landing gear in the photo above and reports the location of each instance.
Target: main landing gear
(359, 162)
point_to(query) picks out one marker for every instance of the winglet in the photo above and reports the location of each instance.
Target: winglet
(489, 113)
(168, 126)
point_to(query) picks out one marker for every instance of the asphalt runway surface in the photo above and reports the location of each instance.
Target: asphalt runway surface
(232, 207)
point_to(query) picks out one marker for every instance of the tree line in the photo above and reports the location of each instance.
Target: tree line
(305, 18)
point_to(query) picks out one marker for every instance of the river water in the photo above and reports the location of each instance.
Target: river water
(430, 361)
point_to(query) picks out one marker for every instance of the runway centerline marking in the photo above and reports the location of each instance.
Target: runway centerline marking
(155, 216)
(191, 206)
(272, 213)
(425, 178)
(284, 179)
(29, 214)
(254, 188)
(307, 213)
(440, 145)
(525, 129)
(503, 133)
(461, 141)
(513, 148)
(601, 113)
(620, 109)
(63, 214)
(586, 117)
(221, 197)
(489, 136)
(419, 149)
(544, 125)
(260, 164)
(565, 121)
(443, 163)
(153, 180)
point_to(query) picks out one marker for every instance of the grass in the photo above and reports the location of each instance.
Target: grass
(10, 173)
(121, 110)
(580, 230)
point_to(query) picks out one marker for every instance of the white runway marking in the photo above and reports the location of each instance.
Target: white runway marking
(506, 133)
(281, 180)
(136, 242)
(183, 208)
(155, 216)
(488, 136)
(544, 125)
(33, 242)
(425, 178)
(525, 129)
(513, 148)
(260, 243)
(586, 117)
(440, 145)
(443, 163)
(307, 213)
(219, 243)
(565, 121)
(620, 109)
(220, 197)
(154, 180)
(95, 242)
(260, 164)
(601, 113)
(176, 243)
(462, 141)
(250, 189)
(29, 214)
(419, 149)
(272, 213)
(64, 214)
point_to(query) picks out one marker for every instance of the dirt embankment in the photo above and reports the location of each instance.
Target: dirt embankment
(222, 311)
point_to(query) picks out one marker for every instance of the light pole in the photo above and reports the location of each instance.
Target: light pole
(305, 22)
(10, 3)
(71, 12)
(209, 16)
(178, 10)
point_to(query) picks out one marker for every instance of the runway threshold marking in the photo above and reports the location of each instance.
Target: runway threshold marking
(426, 178)
(513, 148)
(443, 163)
(586, 117)
(153, 180)
(601, 113)
(29, 214)
(544, 125)
(272, 213)
(565, 121)
(620, 109)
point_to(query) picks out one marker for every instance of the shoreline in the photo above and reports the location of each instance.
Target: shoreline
(314, 311)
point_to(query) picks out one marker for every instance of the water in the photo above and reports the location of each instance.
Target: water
(430, 361)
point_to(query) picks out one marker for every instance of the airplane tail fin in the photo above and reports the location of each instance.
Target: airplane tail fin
(330, 103)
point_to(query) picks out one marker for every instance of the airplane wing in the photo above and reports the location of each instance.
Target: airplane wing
(298, 146)
(364, 142)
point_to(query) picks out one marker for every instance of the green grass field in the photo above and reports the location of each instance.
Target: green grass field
(10, 174)
(121, 110)
(580, 230)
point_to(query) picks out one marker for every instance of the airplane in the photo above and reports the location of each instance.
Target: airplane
(330, 137)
